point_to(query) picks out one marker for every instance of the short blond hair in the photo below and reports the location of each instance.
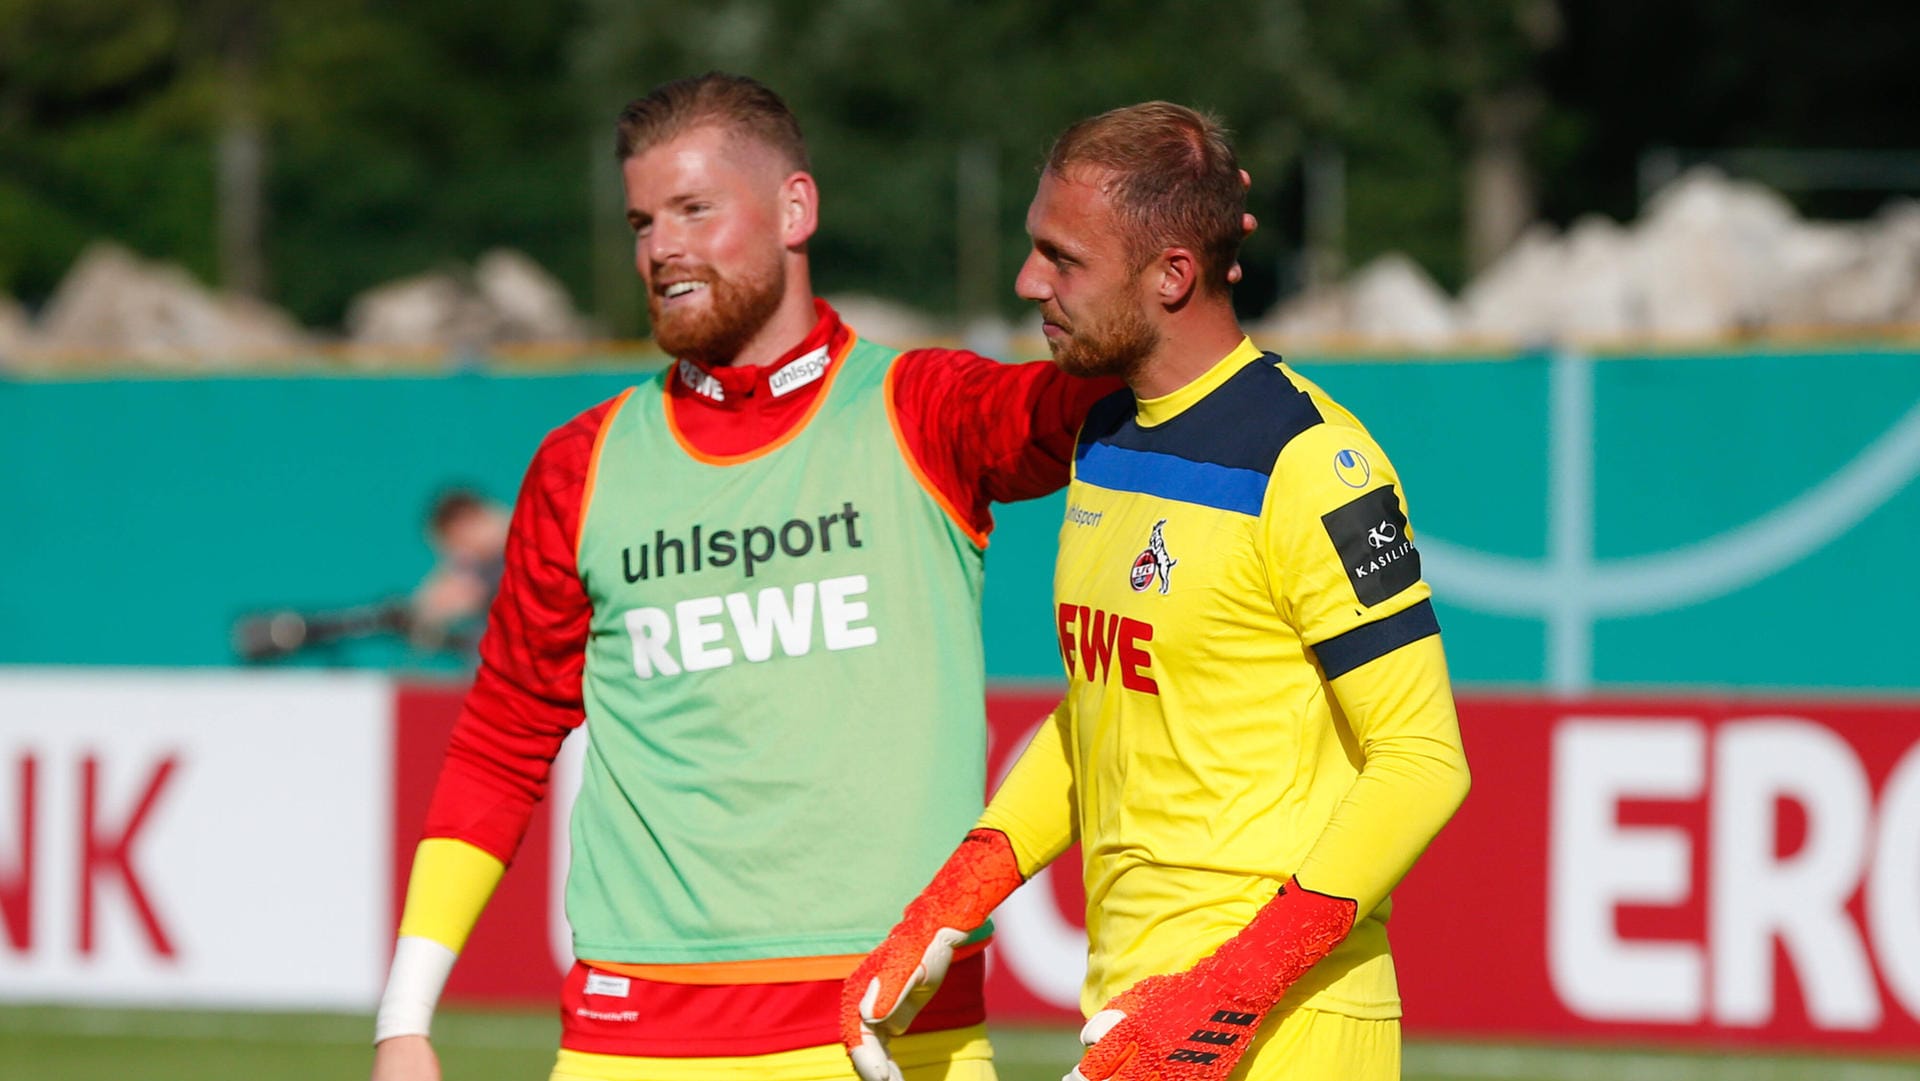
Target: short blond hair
(736, 102)
(1171, 174)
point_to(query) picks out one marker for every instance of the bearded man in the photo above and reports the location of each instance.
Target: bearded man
(1251, 752)
(756, 578)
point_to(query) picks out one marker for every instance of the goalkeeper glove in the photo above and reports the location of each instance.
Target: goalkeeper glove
(884, 994)
(1195, 1025)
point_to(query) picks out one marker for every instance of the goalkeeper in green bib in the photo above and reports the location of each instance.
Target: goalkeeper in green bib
(756, 579)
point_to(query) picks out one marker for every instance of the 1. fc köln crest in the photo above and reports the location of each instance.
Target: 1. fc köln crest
(1153, 563)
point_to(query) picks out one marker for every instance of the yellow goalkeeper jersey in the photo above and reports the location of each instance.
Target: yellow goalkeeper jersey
(1246, 636)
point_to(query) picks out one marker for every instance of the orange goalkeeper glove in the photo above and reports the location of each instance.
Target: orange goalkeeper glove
(884, 994)
(1195, 1025)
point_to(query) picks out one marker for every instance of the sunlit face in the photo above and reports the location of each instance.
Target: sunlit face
(704, 207)
(1093, 304)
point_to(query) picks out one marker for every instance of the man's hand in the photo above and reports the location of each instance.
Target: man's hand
(1248, 223)
(900, 977)
(405, 1058)
(1195, 1025)
(886, 992)
(1180, 1027)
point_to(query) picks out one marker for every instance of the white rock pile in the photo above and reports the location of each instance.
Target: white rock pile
(14, 328)
(116, 307)
(1711, 259)
(507, 299)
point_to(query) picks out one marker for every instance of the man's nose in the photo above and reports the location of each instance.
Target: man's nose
(663, 243)
(1031, 283)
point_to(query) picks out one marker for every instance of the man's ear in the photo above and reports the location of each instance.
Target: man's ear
(799, 209)
(1179, 276)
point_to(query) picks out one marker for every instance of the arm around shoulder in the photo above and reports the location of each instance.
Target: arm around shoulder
(986, 432)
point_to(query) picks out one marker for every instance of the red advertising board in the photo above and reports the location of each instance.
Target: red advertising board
(1681, 869)
(1688, 870)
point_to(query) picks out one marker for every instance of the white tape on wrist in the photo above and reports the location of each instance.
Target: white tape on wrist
(419, 973)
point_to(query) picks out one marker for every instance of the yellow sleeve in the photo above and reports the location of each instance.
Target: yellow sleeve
(1340, 551)
(1345, 573)
(1034, 805)
(450, 884)
(1400, 708)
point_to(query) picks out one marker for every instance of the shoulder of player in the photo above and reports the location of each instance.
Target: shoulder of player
(1243, 424)
(1334, 427)
(1330, 465)
(567, 450)
(1313, 447)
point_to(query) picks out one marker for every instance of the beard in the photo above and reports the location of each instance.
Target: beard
(713, 334)
(1116, 341)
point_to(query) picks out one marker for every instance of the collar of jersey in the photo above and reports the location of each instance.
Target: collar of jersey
(733, 386)
(1156, 411)
(774, 425)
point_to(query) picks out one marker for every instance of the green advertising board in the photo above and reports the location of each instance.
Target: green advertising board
(1714, 520)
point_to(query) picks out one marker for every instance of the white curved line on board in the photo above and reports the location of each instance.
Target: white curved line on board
(1504, 585)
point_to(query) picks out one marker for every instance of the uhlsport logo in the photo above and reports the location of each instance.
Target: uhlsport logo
(1352, 468)
(1153, 563)
(799, 372)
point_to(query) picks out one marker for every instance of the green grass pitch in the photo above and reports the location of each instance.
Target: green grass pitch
(68, 1044)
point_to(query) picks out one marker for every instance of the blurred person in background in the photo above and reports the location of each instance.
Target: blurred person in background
(1259, 736)
(756, 577)
(468, 533)
(443, 615)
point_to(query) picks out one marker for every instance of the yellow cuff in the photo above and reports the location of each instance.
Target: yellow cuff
(449, 886)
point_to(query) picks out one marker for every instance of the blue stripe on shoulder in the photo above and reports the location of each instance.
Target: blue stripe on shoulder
(1242, 425)
(1345, 652)
(1168, 476)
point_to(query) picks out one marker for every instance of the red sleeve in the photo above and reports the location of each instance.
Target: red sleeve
(985, 432)
(526, 696)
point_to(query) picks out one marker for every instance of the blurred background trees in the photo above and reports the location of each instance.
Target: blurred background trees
(305, 150)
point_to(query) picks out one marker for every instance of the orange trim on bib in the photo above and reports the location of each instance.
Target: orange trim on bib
(913, 464)
(698, 455)
(760, 970)
(593, 469)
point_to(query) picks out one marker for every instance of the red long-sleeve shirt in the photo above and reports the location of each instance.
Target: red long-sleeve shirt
(976, 431)
(979, 431)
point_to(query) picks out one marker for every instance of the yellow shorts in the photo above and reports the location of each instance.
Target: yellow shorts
(961, 1054)
(1313, 1045)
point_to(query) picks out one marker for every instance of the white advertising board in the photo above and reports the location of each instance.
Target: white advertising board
(171, 838)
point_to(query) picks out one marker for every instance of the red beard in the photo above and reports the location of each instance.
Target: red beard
(713, 334)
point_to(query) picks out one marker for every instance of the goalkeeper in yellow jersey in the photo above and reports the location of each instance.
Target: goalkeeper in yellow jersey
(1258, 737)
